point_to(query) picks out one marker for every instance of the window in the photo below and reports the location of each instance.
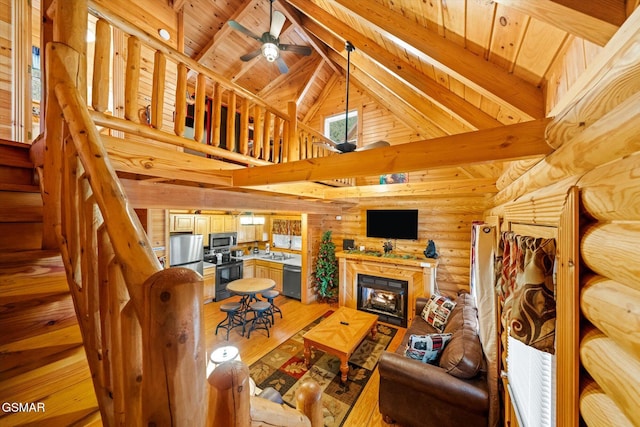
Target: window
(334, 127)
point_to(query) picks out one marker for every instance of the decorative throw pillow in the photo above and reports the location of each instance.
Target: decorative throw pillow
(437, 311)
(426, 348)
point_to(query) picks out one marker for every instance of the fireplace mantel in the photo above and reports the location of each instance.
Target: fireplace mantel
(421, 275)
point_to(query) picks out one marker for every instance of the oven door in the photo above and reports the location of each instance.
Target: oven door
(225, 274)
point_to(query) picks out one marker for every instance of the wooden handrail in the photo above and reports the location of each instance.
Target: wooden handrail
(231, 405)
(178, 57)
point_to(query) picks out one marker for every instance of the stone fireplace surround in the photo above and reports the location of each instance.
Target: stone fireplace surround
(420, 275)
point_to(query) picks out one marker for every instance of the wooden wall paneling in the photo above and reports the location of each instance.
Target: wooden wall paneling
(508, 30)
(447, 221)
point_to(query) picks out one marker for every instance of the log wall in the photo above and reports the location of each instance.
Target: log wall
(599, 154)
(446, 221)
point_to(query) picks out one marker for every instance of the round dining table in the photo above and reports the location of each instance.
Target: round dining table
(249, 287)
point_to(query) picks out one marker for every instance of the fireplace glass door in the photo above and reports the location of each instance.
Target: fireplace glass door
(385, 297)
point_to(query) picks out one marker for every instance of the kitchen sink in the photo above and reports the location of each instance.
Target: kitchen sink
(276, 257)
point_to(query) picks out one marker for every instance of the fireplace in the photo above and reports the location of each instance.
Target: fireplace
(385, 297)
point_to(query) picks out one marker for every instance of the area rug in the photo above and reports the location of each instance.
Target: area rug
(284, 369)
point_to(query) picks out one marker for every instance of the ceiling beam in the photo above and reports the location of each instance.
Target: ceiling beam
(132, 157)
(568, 18)
(488, 79)
(453, 105)
(142, 194)
(511, 142)
(323, 96)
(405, 113)
(416, 189)
(402, 93)
(292, 15)
(310, 81)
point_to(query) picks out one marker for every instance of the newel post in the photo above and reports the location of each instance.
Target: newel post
(174, 364)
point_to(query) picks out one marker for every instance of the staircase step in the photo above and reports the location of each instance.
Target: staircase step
(42, 359)
(15, 154)
(64, 387)
(20, 236)
(31, 274)
(20, 207)
(24, 188)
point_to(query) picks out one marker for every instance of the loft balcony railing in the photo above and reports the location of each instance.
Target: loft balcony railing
(142, 326)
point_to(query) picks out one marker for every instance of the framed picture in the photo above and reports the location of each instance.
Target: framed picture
(394, 178)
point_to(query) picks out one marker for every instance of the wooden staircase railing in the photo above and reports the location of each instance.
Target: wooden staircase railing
(266, 135)
(142, 326)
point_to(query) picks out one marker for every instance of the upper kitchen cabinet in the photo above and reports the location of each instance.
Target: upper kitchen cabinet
(181, 223)
(202, 225)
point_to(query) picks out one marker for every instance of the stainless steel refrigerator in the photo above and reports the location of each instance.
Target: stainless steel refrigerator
(185, 250)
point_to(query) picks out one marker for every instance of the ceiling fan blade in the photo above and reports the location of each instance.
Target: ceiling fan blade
(282, 66)
(239, 27)
(277, 22)
(377, 144)
(249, 56)
(300, 50)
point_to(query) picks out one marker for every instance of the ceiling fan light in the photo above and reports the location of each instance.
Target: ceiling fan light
(270, 51)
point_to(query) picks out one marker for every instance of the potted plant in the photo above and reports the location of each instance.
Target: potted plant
(326, 270)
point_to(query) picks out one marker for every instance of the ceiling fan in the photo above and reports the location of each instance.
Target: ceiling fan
(271, 45)
(347, 146)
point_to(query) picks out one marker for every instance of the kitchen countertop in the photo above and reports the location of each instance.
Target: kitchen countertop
(295, 260)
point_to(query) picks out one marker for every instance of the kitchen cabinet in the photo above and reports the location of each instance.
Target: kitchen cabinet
(249, 268)
(270, 270)
(181, 223)
(246, 233)
(202, 226)
(209, 276)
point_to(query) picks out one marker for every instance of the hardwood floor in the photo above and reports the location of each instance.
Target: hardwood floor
(295, 317)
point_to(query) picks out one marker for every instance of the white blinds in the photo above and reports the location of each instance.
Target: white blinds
(531, 374)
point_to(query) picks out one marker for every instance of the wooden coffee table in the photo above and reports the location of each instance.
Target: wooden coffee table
(340, 334)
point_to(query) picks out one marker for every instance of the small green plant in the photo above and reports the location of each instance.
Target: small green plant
(326, 270)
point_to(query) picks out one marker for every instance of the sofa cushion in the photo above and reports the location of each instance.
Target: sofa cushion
(463, 356)
(437, 311)
(426, 348)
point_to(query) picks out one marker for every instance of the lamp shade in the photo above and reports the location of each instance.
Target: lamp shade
(222, 355)
(270, 51)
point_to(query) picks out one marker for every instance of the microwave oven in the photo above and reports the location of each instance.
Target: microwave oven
(222, 241)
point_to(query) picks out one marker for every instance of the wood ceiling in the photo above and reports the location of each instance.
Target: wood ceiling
(440, 67)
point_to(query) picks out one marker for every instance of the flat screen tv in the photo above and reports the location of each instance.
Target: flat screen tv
(393, 223)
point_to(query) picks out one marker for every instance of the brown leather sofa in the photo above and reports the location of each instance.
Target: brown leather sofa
(452, 393)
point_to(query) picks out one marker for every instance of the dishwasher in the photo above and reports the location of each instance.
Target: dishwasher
(291, 281)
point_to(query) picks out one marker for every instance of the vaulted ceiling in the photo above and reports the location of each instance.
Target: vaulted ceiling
(440, 67)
